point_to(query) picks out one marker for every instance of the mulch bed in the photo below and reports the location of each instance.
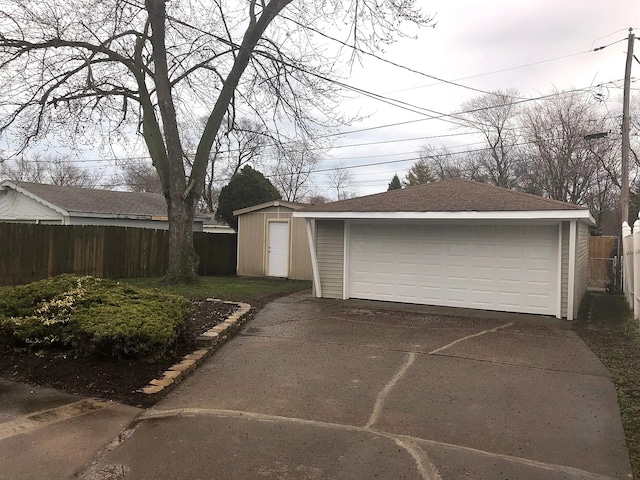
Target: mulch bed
(107, 379)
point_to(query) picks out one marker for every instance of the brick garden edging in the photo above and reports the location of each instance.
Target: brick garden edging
(206, 344)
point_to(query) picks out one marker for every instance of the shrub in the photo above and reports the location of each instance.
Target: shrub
(91, 316)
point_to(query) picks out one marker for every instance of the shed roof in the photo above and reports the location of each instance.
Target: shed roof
(94, 201)
(272, 203)
(452, 195)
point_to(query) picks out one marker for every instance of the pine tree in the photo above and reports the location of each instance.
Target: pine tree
(395, 183)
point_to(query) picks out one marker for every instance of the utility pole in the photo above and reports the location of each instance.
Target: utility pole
(624, 194)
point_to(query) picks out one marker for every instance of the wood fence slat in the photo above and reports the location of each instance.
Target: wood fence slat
(30, 252)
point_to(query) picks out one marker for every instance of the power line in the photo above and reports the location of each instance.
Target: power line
(398, 103)
(384, 60)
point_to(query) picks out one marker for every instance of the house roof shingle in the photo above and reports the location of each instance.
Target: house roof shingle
(452, 195)
(96, 201)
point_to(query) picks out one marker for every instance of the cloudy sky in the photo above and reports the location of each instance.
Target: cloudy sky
(534, 46)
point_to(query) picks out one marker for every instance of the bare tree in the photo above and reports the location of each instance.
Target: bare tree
(419, 172)
(81, 69)
(439, 163)
(560, 163)
(23, 169)
(291, 173)
(317, 199)
(53, 170)
(495, 117)
(341, 182)
(138, 176)
(235, 146)
(245, 143)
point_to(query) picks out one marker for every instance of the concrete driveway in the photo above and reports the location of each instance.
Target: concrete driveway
(354, 390)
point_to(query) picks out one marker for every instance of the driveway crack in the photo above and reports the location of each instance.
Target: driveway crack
(483, 332)
(382, 395)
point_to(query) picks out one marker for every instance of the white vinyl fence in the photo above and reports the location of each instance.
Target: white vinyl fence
(631, 265)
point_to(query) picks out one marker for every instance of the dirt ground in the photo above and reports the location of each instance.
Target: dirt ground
(108, 379)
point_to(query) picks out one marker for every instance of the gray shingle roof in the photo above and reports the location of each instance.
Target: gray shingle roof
(453, 195)
(106, 202)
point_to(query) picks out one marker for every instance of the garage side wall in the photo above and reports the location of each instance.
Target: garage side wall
(582, 264)
(330, 254)
(565, 269)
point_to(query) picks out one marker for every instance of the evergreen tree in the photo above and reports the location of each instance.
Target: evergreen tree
(245, 189)
(395, 183)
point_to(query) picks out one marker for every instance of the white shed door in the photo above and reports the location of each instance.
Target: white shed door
(510, 268)
(278, 249)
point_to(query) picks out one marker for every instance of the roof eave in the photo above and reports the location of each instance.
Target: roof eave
(578, 214)
(33, 196)
(132, 216)
(115, 215)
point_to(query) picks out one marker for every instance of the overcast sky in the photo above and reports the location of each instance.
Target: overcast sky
(471, 40)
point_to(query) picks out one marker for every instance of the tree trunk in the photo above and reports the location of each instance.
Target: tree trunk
(183, 259)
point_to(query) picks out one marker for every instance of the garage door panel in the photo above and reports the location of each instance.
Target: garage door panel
(496, 267)
(482, 273)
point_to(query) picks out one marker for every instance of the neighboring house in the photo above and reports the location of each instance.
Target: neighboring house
(211, 225)
(25, 202)
(454, 243)
(272, 243)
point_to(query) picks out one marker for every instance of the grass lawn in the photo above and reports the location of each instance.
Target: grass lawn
(256, 291)
(606, 325)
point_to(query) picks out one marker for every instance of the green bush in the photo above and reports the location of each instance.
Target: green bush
(92, 316)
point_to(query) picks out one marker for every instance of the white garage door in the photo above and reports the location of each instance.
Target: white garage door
(492, 267)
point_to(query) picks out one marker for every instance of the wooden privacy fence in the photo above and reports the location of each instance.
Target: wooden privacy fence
(603, 263)
(31, 252)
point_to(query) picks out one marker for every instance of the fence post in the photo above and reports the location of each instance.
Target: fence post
(636, 269)
(627, 263)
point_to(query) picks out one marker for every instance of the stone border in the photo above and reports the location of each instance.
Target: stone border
(206, 344)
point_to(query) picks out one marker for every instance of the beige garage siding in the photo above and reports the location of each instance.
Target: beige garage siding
(582, 264)
(330, 253)
(300, 261)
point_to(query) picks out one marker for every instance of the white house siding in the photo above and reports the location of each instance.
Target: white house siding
(582, 264)
(18, 207)
(330, 253)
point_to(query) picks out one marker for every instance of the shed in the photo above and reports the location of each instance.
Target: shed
(26, 202)
(453, 243)
(272, 243)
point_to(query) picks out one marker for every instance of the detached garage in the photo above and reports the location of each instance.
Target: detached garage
(452, 243)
